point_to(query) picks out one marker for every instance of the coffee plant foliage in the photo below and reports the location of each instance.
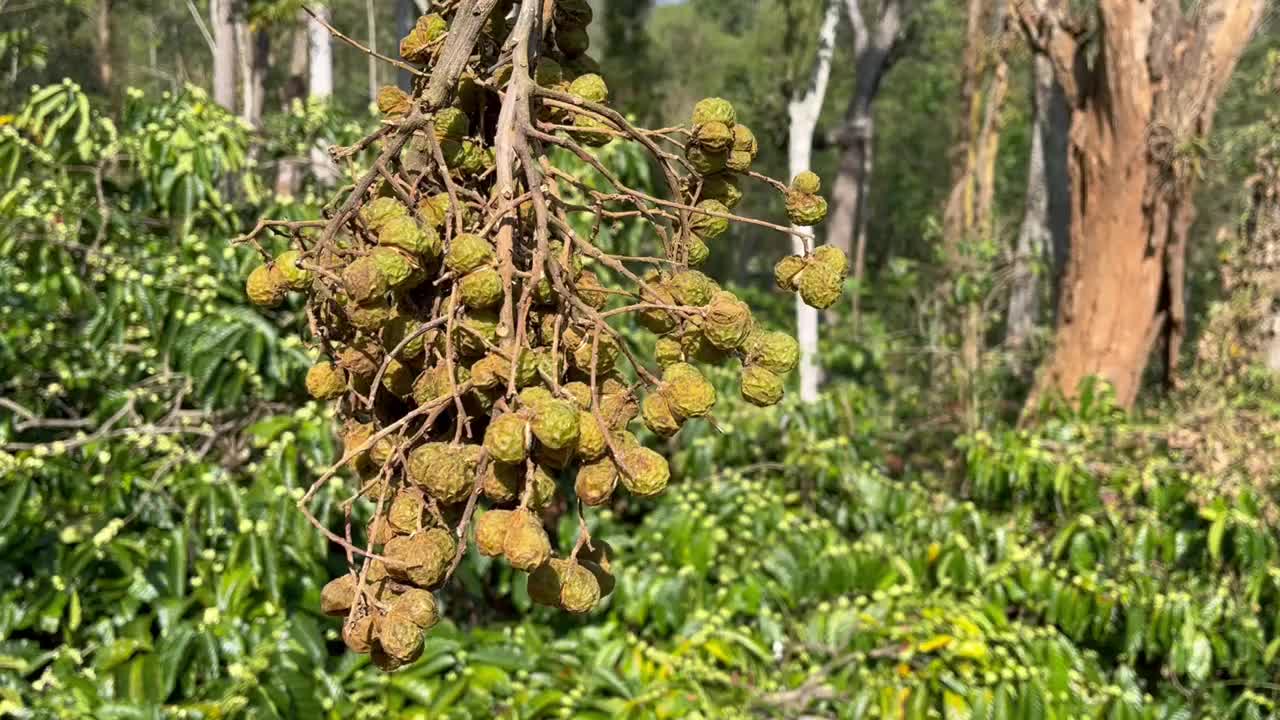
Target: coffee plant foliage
(817, 560)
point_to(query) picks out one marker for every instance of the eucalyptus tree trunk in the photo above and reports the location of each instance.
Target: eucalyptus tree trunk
(1149, 94)
(802, 112)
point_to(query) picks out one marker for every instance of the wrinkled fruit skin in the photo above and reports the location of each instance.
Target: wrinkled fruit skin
(784, 273)
(491, 532)
(805, 209)
(481, 289)
(819, 286)
(590, 87)
(579, 589)
(691, 394)
(325, 381)
(400, 638)
(710, 227)
(596, 482)
(807, 183)
(658, 416)
(727, 321)
(338, 595)
(775, 351)
(644, 472)
(505, 439)
(833, 258)
(265, 287)
(419, 606)
(556, 424)
(761, 387)
(526, 545)
(393, 101)
(714, 110)
(468, 253)
(290, 272)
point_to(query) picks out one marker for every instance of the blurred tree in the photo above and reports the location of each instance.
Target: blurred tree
(877, 44)
(320, 85)
(1041, 250)
(224, 53)
(804, 105)
(968, 220)
(1142, 109)
(371, 23)
(289, 168)
(102, 45)
(627, 59)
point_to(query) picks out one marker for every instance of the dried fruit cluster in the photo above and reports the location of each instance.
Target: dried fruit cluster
(467, 319)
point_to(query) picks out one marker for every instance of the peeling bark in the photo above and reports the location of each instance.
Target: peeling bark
(1149, 94)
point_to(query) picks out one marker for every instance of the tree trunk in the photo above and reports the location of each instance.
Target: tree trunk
(1262, 251)
(255, 80)
(876, 53)
(1149, 95)
(289, 171)
(244, 57)
(1243, 328)
(320, 86)
(1042, 239)
(224, 53)
(102, 45)
(985, 84)
(969, 214)
(320, 46)
(371, 19)
(802, 111)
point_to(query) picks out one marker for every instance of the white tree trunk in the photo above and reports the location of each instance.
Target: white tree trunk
(244, 57)
(320, 87)
(320, 45)
(224, 53)
(371, 18)
(803, 111)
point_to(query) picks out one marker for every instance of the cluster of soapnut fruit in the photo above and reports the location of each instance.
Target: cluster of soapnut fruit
(467, 321)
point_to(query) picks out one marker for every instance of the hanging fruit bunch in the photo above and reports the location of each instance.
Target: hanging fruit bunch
(470, 329)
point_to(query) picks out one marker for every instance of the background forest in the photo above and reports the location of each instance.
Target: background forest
(1022, 476)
